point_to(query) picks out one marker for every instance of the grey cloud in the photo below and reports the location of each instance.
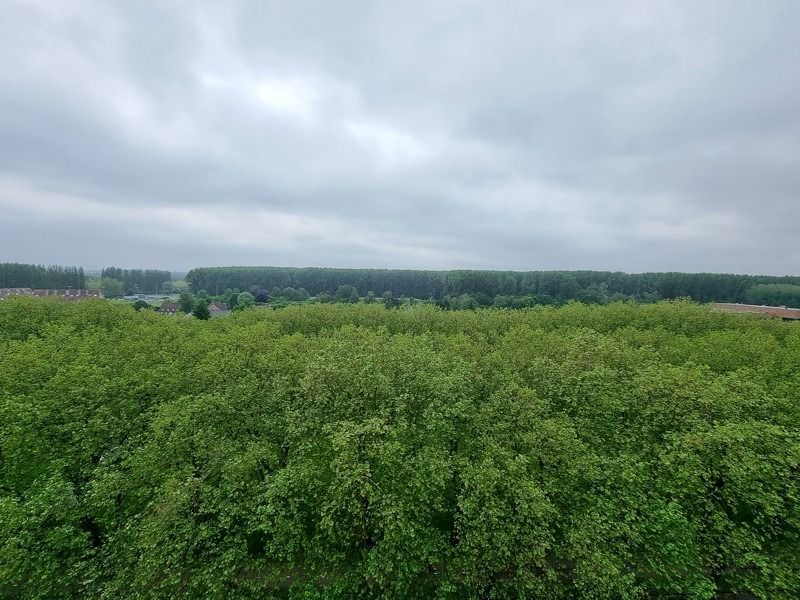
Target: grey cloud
(617, 135)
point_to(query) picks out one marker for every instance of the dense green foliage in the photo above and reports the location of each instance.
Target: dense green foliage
(112, 288)
(295, 295)
(420, 284)
(186, 300)
(200, 310)
(774, 294)
(140, 304)
(245, 300)
(348, 451)
(14, 275)
(484, 287)
(139, 280)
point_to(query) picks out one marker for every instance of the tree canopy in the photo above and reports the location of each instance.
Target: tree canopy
(14, 275)
(140, 280)
(774, 294)
(595, 287)
(200, 310)
(348, 451)
(245, 300)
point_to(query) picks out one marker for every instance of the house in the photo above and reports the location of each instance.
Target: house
(69, 294)
(218, 309)
(787, 314)
(169, 308)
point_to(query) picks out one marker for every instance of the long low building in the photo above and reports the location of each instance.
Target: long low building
(67, 294)
(781, 312)
(6, 292)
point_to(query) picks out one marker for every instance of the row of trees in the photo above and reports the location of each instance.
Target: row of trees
(347, 451)
(146, 281)
(349, 294)
(774, 294)
(450, 288)
(13, 275)
(280, 298)
(594, 287)
(420, 284)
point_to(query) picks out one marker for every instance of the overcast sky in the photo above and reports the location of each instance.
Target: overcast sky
(634, 136)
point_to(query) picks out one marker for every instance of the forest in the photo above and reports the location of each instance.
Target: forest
(501, 288)
(350, 451)
(464, 289)
(137, 280)
(13, 275)
(57, 277)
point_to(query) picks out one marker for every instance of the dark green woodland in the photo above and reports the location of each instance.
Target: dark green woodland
(502, 287)
(138, 280)
(350, 451)
(18, 275)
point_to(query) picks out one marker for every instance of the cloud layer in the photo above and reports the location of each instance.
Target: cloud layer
(550, 135)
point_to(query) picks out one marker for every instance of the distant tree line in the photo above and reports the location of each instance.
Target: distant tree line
(504, 288)
(775, 294)
(138, 280)
(419, 284)
(41, 277)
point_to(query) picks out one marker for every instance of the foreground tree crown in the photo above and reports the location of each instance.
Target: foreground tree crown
(347, 451)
